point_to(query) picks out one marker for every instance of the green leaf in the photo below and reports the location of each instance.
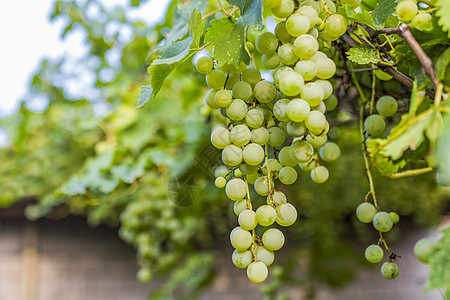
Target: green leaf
(384, 164)
(439, 261)
(228, 40)
(196, 26)
(442, 155)
(362, 16)
(382, 12)
(441, 64)
(175, 52)
(251, 12)
(362, 55)
(444, 15)
(416, 100)
(144, 95)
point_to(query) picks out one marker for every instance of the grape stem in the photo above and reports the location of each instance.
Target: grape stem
(372, 94)
(384, 243)
(269, 176)
(216, 11)
(249, 201)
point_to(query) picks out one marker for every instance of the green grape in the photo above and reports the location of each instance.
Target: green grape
(395, 217)
(387, 106)
(295, 129)
(326, 87)
(423, 249)
(382, 75)
(254, 118)
(270, 61)
(239, 206)
(266, 215)
(297, 24)
(257, 271)
(251, 75)
(276, 136)
(204, 65)
(237, 110)
(232, 155)
(247, 219)
(240, 135)
(316, 121)
(382, 222)
(288, 175)
(209, 99)
(216, 79)
(262, 186)
(354, 3)
(250, 46)
(236, 189)
(305, 46)
(374, 254)
(319, 54)
(319, 174)
(314, 32)
(237, 172)
(284, 10)
(330, 152)
(312, 3)
(312, 93)
(285, 157)
(260, 136)
(309, 12)
(286, 214)
(253, 154)
(221, 171)
(374, 125)
(240, 239)
(220, 137)
(273, 239)
(280, 110)
(282, 34)
(326, 68)
(407, 10)
(308, 166)
(302, 151)
(272, 3)
(291, 83)
(242, 90)
(275, 165)
(220, 182)
(336, 25)
(232, 80)
(321, 107)
(265, 91)
(230, 68)
(443, 178)
(247, 169)
(365, 212)
(242, 259)
(277, 197)
(330, 6)
(144, 275)
(423, 21)
(266, 43)
(287, 55)
(390, 270)
(317, 141)
(223, 98)
(331, 102)
(306, 68)
(265, 256)
(280, 73)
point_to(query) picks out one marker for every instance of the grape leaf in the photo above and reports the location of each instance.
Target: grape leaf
(144, 95)
(442, 155)
(384, 164)
(441, 64)
(251, 12)
(228, 40)
(444, 15)
(196, 27)
(439, 276)
(362, 55)
(382, 12)
(175, 52)
(362, 16)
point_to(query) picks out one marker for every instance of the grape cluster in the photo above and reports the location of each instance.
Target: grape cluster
(408, 11)
(274, 127)
(375, 125)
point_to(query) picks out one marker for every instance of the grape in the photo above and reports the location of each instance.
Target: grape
(262, 186)
(309, 12)
(209, 98)
(314, 32)
(276, 136)
(306, 68)
(265, 91)
(336, 25)
(221, 171)
(216, 79)
(390, 270)
(242, 259)
(302, 151)
(326, 87)
(240, 239)
(330, 5)
(287, 55)
(260, 136)
(220, 137)
(319, 174)
(265, 256)
(273, 239)
(288, 175)
(204, 65)
(387, 106)
(284, 10)
(326, 68)
(354, 3)
(321, 107)
(237, 173)
(382, 75)
(312, 93)
(285, 157)
(330, 152)
(382, 222)
(248, 169)
(297, 24)
(242, 90)
(237, 110)
(280, 110)
(250, 46)
(423, 249)
(257, 271)
(144, 275)
(308, 166)
(280, 73)
(316, 121)
(286, 214)
(423, 21)
(395, 217)
(232, 80)
(291, 84)
(443, 178)
(220, 182)
(253, 154)
(317, 141)
(240, 206)
(374, 254)
(232, 155)
(282, 34)
(236, 189)
(319, 54)
(266, 215)
(407, 10)
(223, 98)
(295, 129)
(305, 46)
(374, 125)
(240, 135)
(270, 61)
(254, 118)
(247, 219)
(275, 165)
(365, 212)
(229, 68)
(277, 197)
(266, 43)
(331, 102)
(311, 3)
(251, 75)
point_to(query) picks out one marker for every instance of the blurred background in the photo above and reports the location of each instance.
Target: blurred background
(100, 200)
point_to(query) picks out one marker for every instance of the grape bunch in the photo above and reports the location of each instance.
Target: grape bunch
(276, 127)
(375, 124)
(408, 11)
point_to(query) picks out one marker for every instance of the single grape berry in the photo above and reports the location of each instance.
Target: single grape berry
(204, 65)
(390, 270)
(242, 259)
(374, 253)
(365, 212)
(257, 271)
(382, 222)
(423, 248)
(387, 106)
